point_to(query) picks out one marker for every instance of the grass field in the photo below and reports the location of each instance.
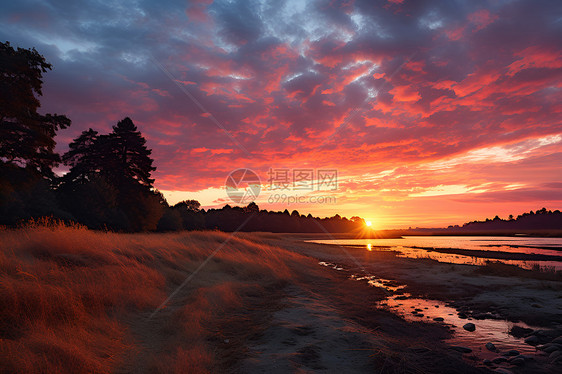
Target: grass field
(75, 300)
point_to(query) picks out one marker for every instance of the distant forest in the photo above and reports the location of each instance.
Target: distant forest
(542, 219)
(109, 183)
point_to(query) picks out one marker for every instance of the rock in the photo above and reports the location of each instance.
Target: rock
(517, 360)
(499, 360)
(469, 327)
(487, 362)
(503, 371)
(532, 340)
(481, 316)
(438, 319)
(519, 331)
(555, 354)
(558, 340)
(461, 349)
(549, 348)
(536, 305)
(513, 352)
(418, 310)
(419, 315)
(490, 346)
(462, 315)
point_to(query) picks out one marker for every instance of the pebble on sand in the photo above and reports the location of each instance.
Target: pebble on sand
(555, 354)
(498, 360)
(469, 327)
(549, 348)
(519, 361)
(503, 371)
(513, 352)
(490, 346)
(461, 349)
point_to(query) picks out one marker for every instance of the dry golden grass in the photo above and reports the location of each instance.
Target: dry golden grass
(506, 270)
(75, 300)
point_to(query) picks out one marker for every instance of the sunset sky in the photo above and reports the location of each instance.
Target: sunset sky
(432, 112)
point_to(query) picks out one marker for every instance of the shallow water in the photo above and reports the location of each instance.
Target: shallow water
(409, 246)
(487, 330)
(495, 330)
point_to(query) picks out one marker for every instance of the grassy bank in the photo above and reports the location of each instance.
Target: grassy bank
(75, 300)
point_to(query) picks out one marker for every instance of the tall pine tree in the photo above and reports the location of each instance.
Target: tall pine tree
(83, 157)
(26, 137)
(27, 144)
(130, 158)
(113, 172)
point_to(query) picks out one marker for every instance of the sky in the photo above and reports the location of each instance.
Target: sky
(425, 113)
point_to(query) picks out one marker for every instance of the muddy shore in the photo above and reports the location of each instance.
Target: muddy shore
(476, 295)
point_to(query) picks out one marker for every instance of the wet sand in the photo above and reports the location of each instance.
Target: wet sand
(460, 293)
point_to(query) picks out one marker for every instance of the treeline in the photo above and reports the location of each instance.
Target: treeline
(542, 219)
(231, 218)
(109, 184)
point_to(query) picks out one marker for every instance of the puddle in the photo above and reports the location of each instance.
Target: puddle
(380, 282)
(492, 329)
(330, 265)
(487, 330)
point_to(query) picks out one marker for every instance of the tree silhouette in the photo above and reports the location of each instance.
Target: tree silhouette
(113, 172)
(27, 142)
(127, 157)
(26, 137)
(83, 157)
(189, 205)
(252, 208)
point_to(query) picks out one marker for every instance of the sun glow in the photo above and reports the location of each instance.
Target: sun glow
(369, 223)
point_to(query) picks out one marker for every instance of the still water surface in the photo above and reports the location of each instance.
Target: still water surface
(419, 247)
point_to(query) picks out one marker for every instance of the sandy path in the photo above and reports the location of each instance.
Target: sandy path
(309, 335)
(147, 332)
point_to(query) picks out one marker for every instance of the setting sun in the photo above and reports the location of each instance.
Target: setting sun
(369, 223)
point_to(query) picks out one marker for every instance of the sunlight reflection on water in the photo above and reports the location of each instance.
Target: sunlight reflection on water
(413, 247)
